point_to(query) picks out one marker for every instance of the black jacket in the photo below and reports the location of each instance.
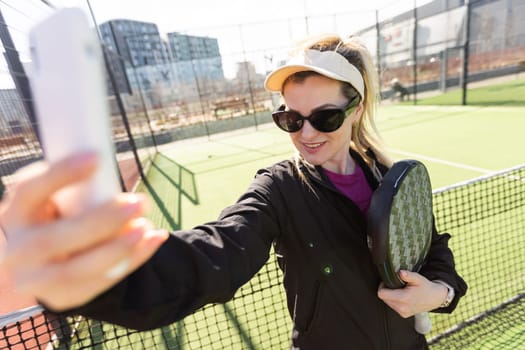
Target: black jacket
(319, 236)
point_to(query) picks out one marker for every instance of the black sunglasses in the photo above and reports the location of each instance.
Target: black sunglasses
(324, 120)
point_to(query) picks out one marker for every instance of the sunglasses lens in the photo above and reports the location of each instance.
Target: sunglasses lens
(288, 121)
(327, 120)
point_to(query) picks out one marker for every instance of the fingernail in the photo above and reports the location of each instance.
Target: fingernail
(133, 204)
(136, 229)
(136, 203)
(142, 224)
(118, 269)
(133, 236)
(156, 237)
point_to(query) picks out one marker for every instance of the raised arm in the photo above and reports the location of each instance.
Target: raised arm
(66, 261)
(195, 267)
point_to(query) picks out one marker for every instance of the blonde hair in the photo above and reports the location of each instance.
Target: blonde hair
(365, 135)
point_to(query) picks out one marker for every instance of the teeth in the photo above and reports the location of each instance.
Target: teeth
(313, 145)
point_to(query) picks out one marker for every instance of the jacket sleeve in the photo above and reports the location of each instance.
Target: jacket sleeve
(195, 267)
(440, 266)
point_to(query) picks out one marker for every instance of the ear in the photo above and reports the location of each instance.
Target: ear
(356, 114)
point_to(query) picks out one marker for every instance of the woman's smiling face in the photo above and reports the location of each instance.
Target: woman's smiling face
(327, 149)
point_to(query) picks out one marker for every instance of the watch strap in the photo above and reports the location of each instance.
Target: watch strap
(450, 294)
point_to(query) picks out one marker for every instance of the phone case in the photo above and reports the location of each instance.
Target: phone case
(70, 96)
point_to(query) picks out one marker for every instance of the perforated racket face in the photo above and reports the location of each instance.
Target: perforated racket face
(400, 221)
(410, 224)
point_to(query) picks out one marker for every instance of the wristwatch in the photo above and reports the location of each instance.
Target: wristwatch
(450, 294)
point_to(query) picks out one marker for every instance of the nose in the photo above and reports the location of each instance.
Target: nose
(308, 131)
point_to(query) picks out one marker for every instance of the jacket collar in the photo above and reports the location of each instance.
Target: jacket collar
(317, 174)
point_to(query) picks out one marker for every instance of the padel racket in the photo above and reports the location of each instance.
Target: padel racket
(400, 225)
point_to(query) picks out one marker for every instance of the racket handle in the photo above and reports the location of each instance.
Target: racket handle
(422, 323)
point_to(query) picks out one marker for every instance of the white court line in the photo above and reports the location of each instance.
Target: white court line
(442, 161)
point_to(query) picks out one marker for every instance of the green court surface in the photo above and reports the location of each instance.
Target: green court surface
(455, 143)
(192, 181)
(511, 93)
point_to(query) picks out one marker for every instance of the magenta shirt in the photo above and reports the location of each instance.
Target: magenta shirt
(354, 186)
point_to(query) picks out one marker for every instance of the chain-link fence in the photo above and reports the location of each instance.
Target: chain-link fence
(433, 46)
(490, 316)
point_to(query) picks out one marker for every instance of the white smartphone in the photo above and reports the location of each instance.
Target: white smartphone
(70, 96)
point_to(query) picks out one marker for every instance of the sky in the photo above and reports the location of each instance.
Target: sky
(240, 25)
(263, 23)
(177, 15)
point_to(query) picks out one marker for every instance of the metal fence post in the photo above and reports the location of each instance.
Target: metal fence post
(464, 72)
(414, 53)
(378, 48)
(250, 90)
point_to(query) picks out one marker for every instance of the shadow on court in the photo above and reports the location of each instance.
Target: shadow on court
(168, 182)
(173, 336)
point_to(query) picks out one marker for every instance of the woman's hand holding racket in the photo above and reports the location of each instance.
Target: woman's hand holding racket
(419, 295)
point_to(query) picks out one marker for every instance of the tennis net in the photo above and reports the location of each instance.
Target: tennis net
(486, 217)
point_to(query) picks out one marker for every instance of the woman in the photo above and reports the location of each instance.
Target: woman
(311, 208)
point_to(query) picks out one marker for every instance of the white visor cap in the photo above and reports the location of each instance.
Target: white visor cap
(328, 63)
